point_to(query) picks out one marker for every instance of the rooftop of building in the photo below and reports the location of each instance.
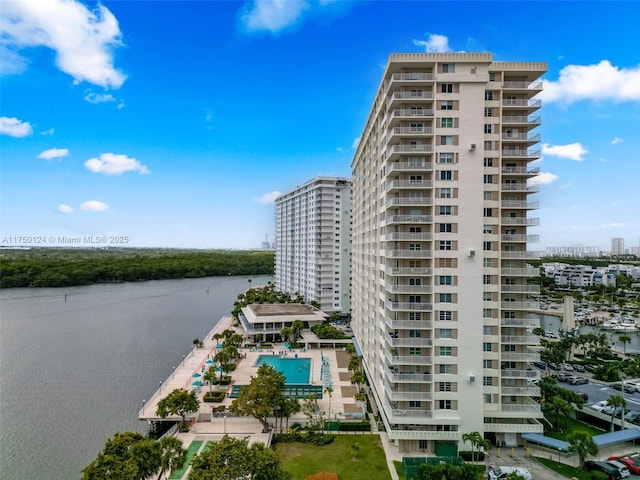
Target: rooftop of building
(282, 309)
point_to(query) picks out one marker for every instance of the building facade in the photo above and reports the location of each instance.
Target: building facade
(617, 246)
(313, 242)
(441, 218)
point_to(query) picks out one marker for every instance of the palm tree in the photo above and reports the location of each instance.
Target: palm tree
(329, 391)
(210, 376)
(173, 455)
(223, 359)
(559, 407)
(296, 328)
(358, 379)
(470, 437)
(624, 339)
(290, 407)
(285, 333)
(583, 444)
(614, 402)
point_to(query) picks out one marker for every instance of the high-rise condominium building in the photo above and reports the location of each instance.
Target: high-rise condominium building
(313, 242)
(440, 231)
(617, 246)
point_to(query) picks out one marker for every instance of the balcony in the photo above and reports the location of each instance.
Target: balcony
(519, 305)
(410, 166)
(391, 288)
(409, 184)
(408, 359)
(408, 306)
(396, 115)
(521, 339)
(408, 341)
(408, 377)
(520, 120)
(419, 271)
(520, 204)
(520, 272)
(402, 219)
(524, 409)
(508, 85)
(409, 95)
(521, 103)
(411, 131)
(513, 153)
(405, 201)
(408, 148)
(522, 255)
(520, 357)
(521, 137)
(412, 77)
(408, 236)
(408, 324)
(404, 416)
(408, 253)
(520, 322)
(526, 391)
(512, 373)
(521, 238)
(529, 289)
(530, 222)
(520, 187)
(396, 396)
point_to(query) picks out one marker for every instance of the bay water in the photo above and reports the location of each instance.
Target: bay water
(77, 363)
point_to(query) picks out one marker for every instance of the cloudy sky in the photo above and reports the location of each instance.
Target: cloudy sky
(176, 123)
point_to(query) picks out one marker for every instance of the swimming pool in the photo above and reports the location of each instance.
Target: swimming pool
(295, 370)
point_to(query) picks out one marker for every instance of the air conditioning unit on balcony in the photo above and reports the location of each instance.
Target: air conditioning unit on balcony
(472, 253)
(472, 147)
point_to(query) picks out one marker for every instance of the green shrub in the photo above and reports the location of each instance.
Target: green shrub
(467, 455)
(318, 439)
(214, 396)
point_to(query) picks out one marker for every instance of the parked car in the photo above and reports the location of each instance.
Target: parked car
(564, 377)
(611, 472)
(630, 417)
(626, 387)
(621, 467)
(578, 368)
(632, 462)
(608, 410)
(599, 406)
(583, 395)
(590, 368)
(540, 365)
(553, 366)
(578, 380)
(501, 472)
(566, 366)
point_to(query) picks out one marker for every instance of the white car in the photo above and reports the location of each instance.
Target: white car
(501, 472)
(599, 406)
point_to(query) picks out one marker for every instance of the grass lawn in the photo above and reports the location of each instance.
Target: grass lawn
(565, 470)
(302, 459)
(573, 426)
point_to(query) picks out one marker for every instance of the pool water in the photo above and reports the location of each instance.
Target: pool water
(295, 370)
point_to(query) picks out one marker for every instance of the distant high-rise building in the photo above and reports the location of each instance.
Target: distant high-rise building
(617, 246)
(440, 297)
(313, 242)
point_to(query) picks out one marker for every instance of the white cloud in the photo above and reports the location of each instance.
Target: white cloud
(94, 206)
(594, 82)
(356, 142)
(435, 43)
(62, 208)
(272, 15)
(617, 140)
(11, 62)
(615, 225)
(545, 178)
(114, 164)
(92, 97)
(83, 39)
(268, 197)
(572, 151)
(14, 128)
(54, 153)
(51, 131)
(339, 149)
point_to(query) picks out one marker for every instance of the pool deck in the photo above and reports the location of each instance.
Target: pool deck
(209, 427)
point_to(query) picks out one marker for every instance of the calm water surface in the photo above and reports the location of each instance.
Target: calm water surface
(73, 373)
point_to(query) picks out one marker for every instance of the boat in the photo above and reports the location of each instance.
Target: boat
(626, 324)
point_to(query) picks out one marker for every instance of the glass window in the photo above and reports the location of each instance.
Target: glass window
(445, 157)
(487, 363)
(446, 88)
(446, 122)
(445, 368)
(446, 105)
(446, 227)
(445, 315)
(446, 386)
(487, 347)
(445, 351)
(488, 112)
(444, 404)
(446, 333)
(488, 95)
(487, 381)
(445, 280)
(445, 209)
(445, 245)
(446, 140)
(445, 192)
(448, 68)
(445, 297)
(446, 175)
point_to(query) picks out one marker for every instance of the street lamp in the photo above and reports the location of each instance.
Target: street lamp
(183, 360)
(224, 423)
(143, 404)
(160, 387)
(174, 372)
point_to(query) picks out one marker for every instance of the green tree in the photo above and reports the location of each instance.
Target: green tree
(358, 379)
(477, 442)
(329, 391)
(233, 459)
(296, 329)
(615, 402)
(178, 402)
(559, 408)
(261, 396)
(290, 406)
(126, 456)
(355, 451)
(539, 331)
(210, 376)
(583, 444)
(285, 333)
(624, 339)
(173, 456)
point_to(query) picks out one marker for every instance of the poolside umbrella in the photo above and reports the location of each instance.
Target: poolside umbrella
(197, 383)
(196, 375)
(209, 362)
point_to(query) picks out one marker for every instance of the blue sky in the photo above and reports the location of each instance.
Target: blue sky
(176, 123)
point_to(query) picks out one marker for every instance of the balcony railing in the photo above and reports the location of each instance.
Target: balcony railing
(512, 373)
(520, 357)
(391, 219)
(408, 377)
(520, 187)
(519, 237)
(526, 391)
(412, 76)
(409, 359)
(521, 137)
(520, 204)
(412, 184)
(532, 222)
(408, 341)
(391, 288)
(402, 415)
(519, 322)
(412, 131)
(395, 396)
(404, 148)
(521, 339)
(408, 236)
(413, 113)
(508, 153)
(531, 289)
(519, 305)
(520, 408)
(528, 255)
(419, 271)
(520, 119)
(408, 253)
(410, 167)
(408, 324)
(520, 272)
(509, 85)
(521, 103)
(409, 306)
